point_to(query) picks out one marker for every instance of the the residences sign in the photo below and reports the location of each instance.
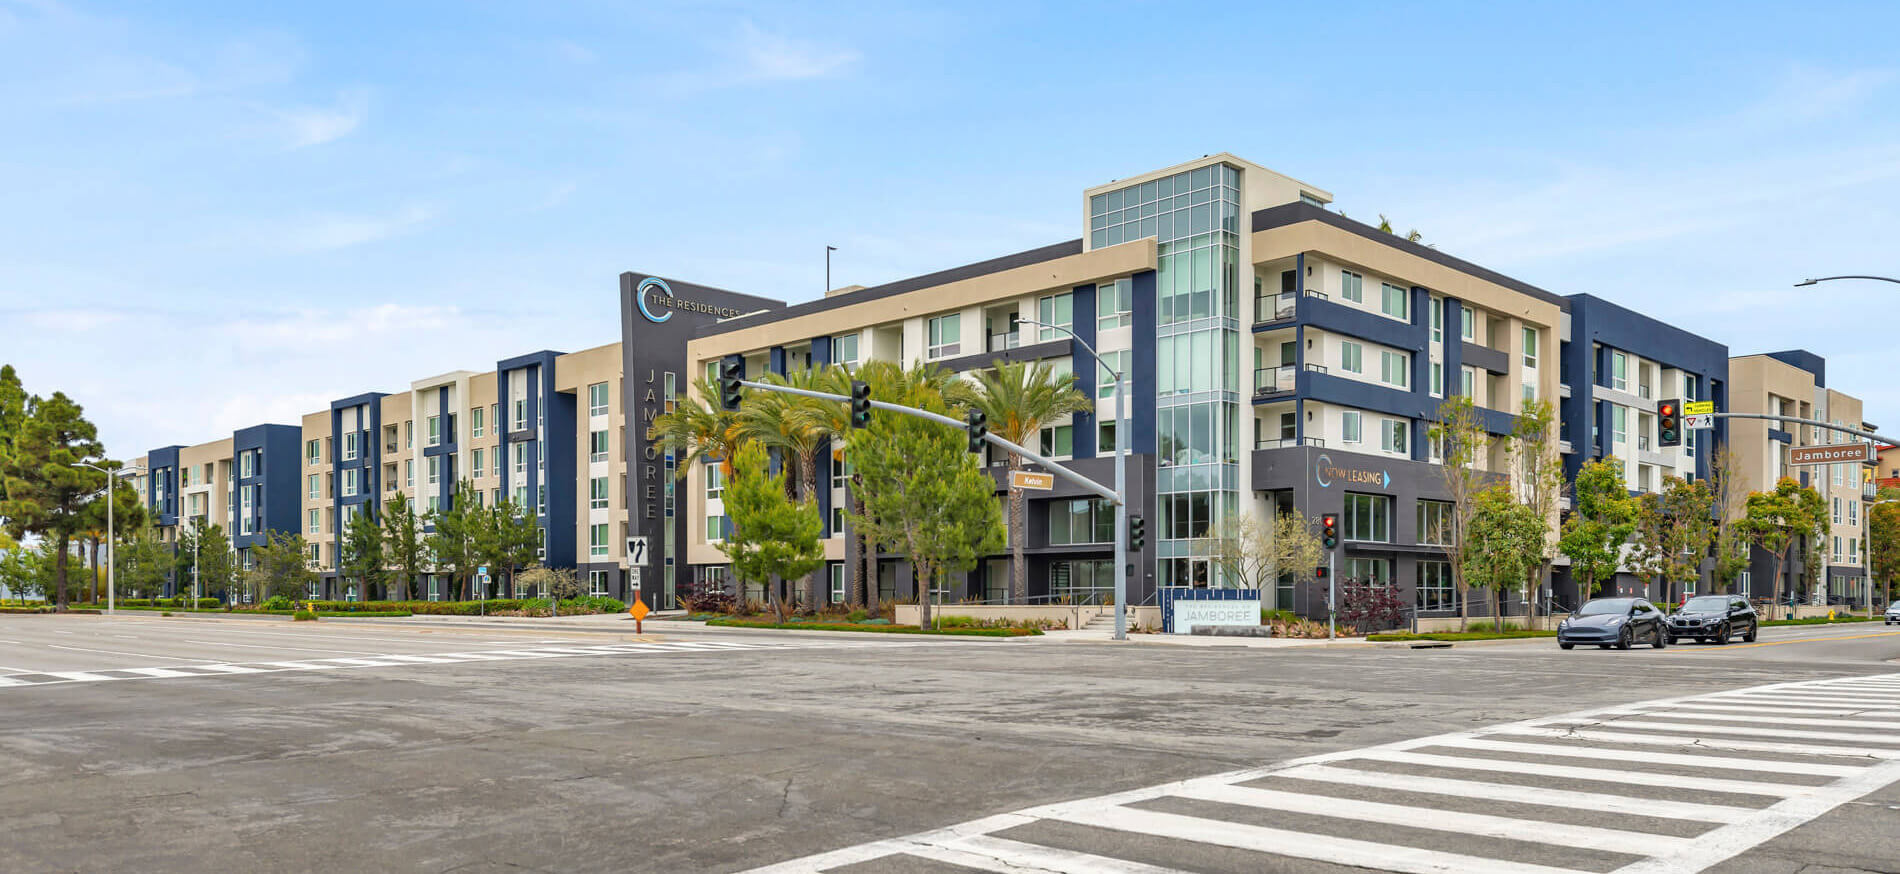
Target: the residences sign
(1837, 453)
(1326, 472)
(654, 292)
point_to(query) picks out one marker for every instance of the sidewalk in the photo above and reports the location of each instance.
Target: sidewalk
(1106, 635)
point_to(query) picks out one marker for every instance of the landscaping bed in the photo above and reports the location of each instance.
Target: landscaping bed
(1823, 620)
(883, 629)
(1458, 636)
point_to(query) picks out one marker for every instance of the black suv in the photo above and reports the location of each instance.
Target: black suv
(1714, 619)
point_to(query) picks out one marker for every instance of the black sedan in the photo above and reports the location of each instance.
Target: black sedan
(1618, 622)
(1714, 619)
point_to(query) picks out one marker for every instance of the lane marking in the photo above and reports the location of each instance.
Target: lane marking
(1600, 775)
(143, 655)
(1694, 741)
(1004, 856)
(1776, 719)
(1512, 793)
(1740, 646)
(281, 648)
(1740, 764)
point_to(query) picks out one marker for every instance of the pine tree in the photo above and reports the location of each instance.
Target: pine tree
(363, 558)
(772, 536)
(402, 541)
(47, 495)
(452, 544)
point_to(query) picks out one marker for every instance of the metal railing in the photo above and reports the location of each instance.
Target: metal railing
(1275, 307)
(1003, 342)
(1274, 380)
(1289, 442)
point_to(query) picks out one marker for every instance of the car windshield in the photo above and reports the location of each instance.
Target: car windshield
(1602, 606)
(1706, 604)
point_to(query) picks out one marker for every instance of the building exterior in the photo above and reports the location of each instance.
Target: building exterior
(1617, 364)
(246, 484)
(1794, 384)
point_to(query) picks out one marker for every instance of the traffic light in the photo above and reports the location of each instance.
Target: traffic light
(1669, 423)
(731, 371)
(978, 425)
(1137, 533)
(1329, 531)
(1319, 573)
(860, 404)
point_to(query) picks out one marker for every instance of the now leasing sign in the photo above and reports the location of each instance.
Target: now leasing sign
(1832, 454)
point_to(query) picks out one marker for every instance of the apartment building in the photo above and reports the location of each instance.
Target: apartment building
(245, 483)
(1617, 365)
(1182, 277)
(1794, 384)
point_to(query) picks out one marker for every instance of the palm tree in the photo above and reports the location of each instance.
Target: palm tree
(698, 432)
(1021, 398)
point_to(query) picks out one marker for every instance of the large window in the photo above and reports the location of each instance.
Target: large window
(597, 399)
(1351, 357)
(314, 493)
(435, 431)
(1122, 361)
(1114, 304)
(844, 349)
(1376, 571)
(349, 446)
(1394, 435)
(946, 336)
(1055, 311)
(1530, 347)
(1352, 286)
(1395, 369)
(1438, 319)
(1058, 441)
(1467, 324)
(715, 482)
(316, 522)
(598, 446)
(1434, 522)
(435, 470)
(478, 466)
(597, 583)
(715, 528)
(1368, 518)
(1619, 424)
(1349, 427)
(1394, 301)
(1081, 582)
(837, 583)
(477, 423)
(1082, 520)
(597, 541)
(351, 481)
(1435, 590)
(597, 493)
(312, 452)
(1619, 371)
(521, 459)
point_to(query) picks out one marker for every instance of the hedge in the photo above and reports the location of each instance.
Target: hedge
(88, 610)
(882, 629)
(1455, 636)
(1823, 620)
(530, 606)
(172, 603)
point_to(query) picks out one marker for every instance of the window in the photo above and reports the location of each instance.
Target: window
(597, 541)
(1114, 304)
(1351, 357)
(314, 493)
(1530, 347)
(349, 446)
(521, 414)
(841, 471)
(1438, 319)
(1121, 361)
(597, 399)
(350, 482)
(1837, 549)
(1853, 512)
(521, 459)
(597, 583)
(844, 349)
(1837, 511)
(1352, 286)
(1368, 518)
(1058, 441)
(1435, 591)
(1438, 379)
(1619, 371)
(1349, 426)
(1081, 520)
(1530, 393)
(1393, 436)
(1081, 582)
(597, 493)
(598, 441)
(479, 468)
(946, 336)
(1837, 471)
(1288, 426)
(1394, 301)
(435, 470)
(1105, 438)
(1619, 424)
(247, 466)
(312, 452)
(435, 431)
(1377, 571)
(475, 423)
(409, 472)
(1055, 311)
(837, 520)
(1467, 382)
(1395, 369)
(316, 522)
(1853, 551)
(837, 583)
(1434, 523)
(1468, 323)
(715, 528)
(715, 482)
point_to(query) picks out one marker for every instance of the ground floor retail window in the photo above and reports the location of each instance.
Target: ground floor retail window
(837, 583)
(1082, 582)
(1435, 590)
(597, 583)
(1377, 571)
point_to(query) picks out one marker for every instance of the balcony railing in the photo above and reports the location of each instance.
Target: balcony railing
(1288, 443)
(1274, 380)
(1279, 307)
(1642, 442)
(1003, 342)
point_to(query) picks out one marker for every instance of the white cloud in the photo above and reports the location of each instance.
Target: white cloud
(770, 56)
(323, 233)
(315, 125)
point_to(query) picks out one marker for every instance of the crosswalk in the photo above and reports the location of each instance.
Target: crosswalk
(1658, 787)
(21, 679)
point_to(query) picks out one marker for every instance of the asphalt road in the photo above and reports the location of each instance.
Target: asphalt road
(200, 744)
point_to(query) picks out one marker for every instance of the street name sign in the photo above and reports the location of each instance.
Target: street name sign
(1835, 453)
(1698, 408)
(1024, 479)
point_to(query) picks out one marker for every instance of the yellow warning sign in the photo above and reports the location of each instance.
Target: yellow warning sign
(1698, 408)
(638, 610)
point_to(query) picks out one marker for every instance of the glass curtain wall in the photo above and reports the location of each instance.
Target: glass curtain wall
(1194, 218)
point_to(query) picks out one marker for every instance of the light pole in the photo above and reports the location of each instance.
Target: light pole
(1123, 433)
(828, 251)
(112, 477)
(1832, 278)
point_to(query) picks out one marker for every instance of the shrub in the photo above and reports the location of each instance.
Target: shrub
(304, 616)
(1372, 606)
(276, 602)
(857, 615)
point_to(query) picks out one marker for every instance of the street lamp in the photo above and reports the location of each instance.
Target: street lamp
(1123, 433)
(111, 533)
(1832, 278)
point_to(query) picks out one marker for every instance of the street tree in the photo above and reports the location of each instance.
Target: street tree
(772, 537)
(1603, 519)
(1255, 553)
(1020, 399)
(47, 495)
(1728, 492)
(1775, 520)
(402, 542)
(280, 568)
(560, 584)
(507, 539)
(20, 571)
(204, 556)
(451, 545)
(364, 558)
(1463, 443)
(1504, 542)
(1537, 479)
(795, 428)
(1674, 528)
(1883, 547)
(143, 560)
(924, 492)
(13, 408)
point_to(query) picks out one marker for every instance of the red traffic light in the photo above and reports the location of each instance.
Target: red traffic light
(1666, 409)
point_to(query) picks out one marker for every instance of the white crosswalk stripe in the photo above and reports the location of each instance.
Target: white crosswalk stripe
(29, 679)
(1594, 791)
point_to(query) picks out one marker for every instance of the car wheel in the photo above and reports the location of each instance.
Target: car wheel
(1750, 636)
(1723, 633)
(1627, 639)
(1662, 640)
(1673, 639)
(1603, 646)
(1566, 646)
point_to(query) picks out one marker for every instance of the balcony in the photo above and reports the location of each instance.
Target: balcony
(1269, 381)
(1289, 443)
(1269, 308)
(1004, 342)
(389, 449)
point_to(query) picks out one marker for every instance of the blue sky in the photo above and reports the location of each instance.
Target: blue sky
(218, 214)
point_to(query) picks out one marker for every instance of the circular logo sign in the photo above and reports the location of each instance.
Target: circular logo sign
(656, 284)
